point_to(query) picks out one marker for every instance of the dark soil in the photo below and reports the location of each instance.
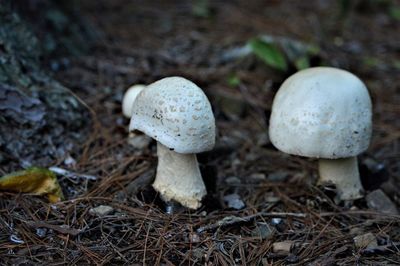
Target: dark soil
(143, 41)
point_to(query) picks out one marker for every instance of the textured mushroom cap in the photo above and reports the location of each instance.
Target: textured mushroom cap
(129, 97)
(177, 113)
(321, 112)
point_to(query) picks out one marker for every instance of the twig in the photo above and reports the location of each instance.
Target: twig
(59, 228)
(230, 220)
(388, 215)
(70, 174)
(382, 249)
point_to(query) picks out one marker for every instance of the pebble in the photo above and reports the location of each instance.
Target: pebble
(41, 232)
(377, 200)
(101, 210)
(198, 253)
(232, 180)
(276, 221)
(262, 231)
(277, 176)
(282, 247)
(367, 240)
(70, 161)
(257, 176)
(194, 238)
(234, 201)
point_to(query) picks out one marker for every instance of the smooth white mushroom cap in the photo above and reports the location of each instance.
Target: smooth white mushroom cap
(177, 113)
(129, 97)
(321, 112)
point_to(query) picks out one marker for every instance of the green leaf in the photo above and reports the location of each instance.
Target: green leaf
(396, 64)
(302, 63)
(394, 12)
(371, 61)
(233, 80)
(269, 53)
(201, 8)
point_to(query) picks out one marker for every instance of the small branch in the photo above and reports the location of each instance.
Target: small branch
(360, 212)
(58, 228)
(382, 249)
(231, 220)
(70, 174)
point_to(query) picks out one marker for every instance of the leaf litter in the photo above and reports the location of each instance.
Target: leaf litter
(303, 219)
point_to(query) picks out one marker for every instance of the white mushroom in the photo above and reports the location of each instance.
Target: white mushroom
(128, 99)
(325, 113)
(176, 113)
(136, 140)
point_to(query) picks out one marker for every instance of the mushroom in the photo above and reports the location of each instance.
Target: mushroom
(129, 97)
(177, 114)
(325, 113)
(135, 139)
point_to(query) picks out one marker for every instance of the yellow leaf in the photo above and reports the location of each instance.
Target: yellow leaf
(35, 180)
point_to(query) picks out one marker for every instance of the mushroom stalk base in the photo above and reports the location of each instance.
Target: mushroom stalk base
(343, 173)
(178, 178)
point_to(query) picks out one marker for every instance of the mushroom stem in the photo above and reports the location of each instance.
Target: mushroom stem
(343, 173)
(178, 177)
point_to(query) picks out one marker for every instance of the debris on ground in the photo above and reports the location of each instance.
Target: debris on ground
(143, 41)
(367, 240)
(234, 201)
(101, 210)
(34, 180)
(282, 247)
(263, 231)
(379, 201)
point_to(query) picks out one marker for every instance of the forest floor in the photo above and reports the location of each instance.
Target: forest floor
(285, 217)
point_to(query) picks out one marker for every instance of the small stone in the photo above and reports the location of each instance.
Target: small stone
(41, 232)
(232, 180)
(276, 221)
(198, 253)
(234, 201)
(236, 162)
(291, 258)
(378, 201)
(173, 207)
(258, 176)
(367, 240)
(262, 231)
(252, 156)
(356, 231)
(194, 238)
(101, 210)
(282, 247)
(272, 199)
(373, 166)
(373, 174)
(70, 161)
(277, 176)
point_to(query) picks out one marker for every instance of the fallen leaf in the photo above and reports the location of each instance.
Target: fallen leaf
(35, 180)
(269, 53)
